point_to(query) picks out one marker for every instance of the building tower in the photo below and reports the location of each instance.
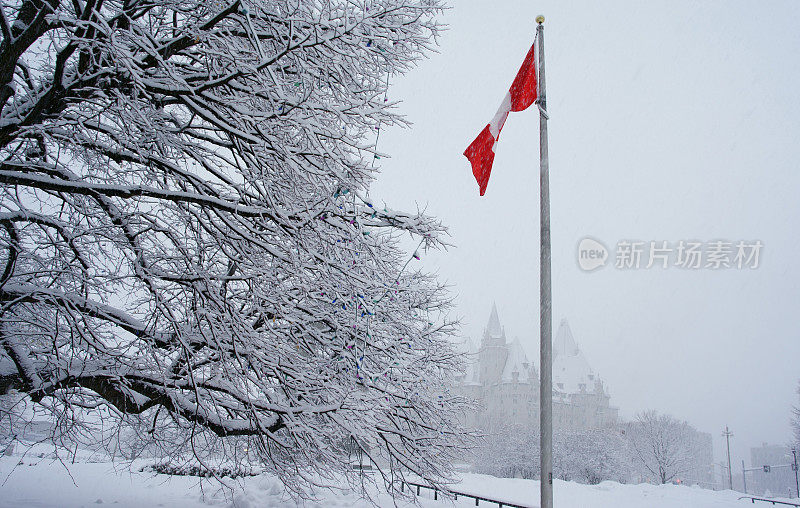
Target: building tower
(494, 351)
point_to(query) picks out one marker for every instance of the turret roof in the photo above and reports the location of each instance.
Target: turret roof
(517, 361)
(493, 328)
(570, 367)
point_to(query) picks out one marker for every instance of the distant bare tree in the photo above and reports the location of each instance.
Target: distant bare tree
(661, 444)
(188, 242)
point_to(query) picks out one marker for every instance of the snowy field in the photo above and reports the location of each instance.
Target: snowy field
(33, 481)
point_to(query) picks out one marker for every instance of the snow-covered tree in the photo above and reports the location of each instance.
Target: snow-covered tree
(591, 456)
(188, 241)
(508, 451)
(662, 445)
(587, 456)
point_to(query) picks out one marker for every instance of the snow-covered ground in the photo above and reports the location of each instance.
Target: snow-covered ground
(33, 481)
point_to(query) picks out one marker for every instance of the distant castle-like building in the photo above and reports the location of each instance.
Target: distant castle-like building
(506, 384)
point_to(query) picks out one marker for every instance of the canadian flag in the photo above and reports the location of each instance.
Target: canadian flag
(521, 95)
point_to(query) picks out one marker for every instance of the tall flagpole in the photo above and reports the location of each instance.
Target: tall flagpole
(545, 305)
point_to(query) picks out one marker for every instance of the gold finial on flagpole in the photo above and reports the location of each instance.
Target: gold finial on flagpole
(540, 19)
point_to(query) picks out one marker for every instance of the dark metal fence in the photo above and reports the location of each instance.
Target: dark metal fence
(456, 494)
(773, 501)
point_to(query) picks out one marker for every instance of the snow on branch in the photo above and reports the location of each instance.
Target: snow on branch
(187, 242)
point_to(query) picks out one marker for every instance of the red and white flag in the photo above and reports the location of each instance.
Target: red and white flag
(521, 95)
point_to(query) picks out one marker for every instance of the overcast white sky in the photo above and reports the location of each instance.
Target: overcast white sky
(669, 121)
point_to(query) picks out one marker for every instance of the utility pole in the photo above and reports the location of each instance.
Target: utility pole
(545, 296)
(744, 477)
(794, 466)
(728, 435)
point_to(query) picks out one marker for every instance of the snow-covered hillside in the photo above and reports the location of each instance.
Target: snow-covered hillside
(43, 482)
